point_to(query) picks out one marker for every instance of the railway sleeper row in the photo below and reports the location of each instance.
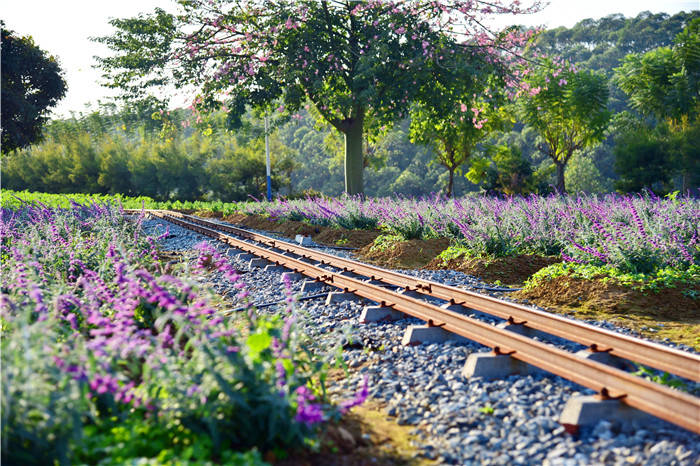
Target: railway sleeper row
(598, 340)
(621, 395)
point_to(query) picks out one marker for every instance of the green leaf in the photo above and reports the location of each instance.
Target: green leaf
(257, 343)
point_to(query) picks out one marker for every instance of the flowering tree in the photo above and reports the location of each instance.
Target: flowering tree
(357, 62)
(567, 107)
(457, 108)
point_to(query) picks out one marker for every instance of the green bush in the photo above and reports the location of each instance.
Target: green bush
(107, 359)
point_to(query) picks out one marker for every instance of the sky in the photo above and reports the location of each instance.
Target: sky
(63, 28)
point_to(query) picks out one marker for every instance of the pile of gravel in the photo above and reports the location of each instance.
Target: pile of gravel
(457, 421)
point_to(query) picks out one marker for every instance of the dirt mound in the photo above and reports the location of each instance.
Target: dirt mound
(347, 238)
(508, 270)
(286, 228)
(321, 235)
(423, 254)
(668, 313)
(202, 213)
(412, 254)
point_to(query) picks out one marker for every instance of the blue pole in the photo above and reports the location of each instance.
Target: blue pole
(267, 157)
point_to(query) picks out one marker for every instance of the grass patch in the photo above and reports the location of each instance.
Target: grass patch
(456, 251)
(385, 242)
(685, 280)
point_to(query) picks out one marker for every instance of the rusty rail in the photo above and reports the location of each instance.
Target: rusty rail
(641, 351)
(672, 405)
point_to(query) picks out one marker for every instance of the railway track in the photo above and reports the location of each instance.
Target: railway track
(370, 282)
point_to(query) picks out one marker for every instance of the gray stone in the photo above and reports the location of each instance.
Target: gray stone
(233, 252)
(339, 296)
(379, 313)
(259, 262)
(522, 330)
(311, 285)
(412, 294)
(606, 358)
(475, 437)
(462, 309)
(304, 240)
(292, 276)
(417, 334)
(495, 366)
(274, 268)
(589, 410)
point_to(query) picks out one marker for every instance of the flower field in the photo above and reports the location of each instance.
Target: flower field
(630, 234)
(111, 355)
(630, 237)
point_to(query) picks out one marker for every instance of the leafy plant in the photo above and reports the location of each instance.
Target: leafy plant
(487, 409)
(663, 379)
(107, 358)
(385, 242)
(663, 278)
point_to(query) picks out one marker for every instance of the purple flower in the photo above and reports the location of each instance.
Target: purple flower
(358, 399)
(103, 384)
(281, 374)
(308, 413)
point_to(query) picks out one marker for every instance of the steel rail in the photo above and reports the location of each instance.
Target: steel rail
(658, 356)
(671, 405)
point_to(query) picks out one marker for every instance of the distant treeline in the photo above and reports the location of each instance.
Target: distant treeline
(114, 153)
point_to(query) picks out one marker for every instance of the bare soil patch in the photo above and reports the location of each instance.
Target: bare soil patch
(322, 235)
(424, 254)
(202, 213)
(287, 228)
(412, 254)
(508, 270)
(667, 313)
(365, 436)
(344, 237)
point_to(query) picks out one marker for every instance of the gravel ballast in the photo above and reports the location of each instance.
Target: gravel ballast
(457, 421)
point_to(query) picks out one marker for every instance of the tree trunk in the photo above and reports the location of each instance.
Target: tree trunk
(354, 157)
(450, 182)
(561, 188)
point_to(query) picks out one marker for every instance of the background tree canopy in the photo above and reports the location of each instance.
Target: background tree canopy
(568, 108)
(32, 83)
(359, 63)
(663, 84)
(144, 149)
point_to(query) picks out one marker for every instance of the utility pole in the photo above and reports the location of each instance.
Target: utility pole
(267, 157)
